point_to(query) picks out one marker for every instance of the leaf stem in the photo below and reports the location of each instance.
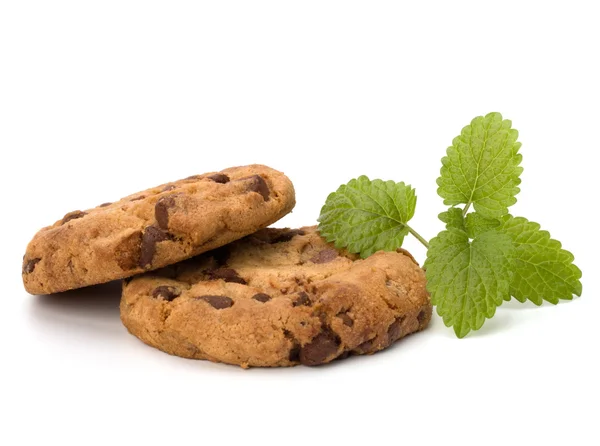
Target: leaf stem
(466, 209)
(418, 237)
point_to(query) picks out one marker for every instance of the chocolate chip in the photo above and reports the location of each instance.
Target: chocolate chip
(72, 216)
(257, 184)
(302, 299)
(365, 347)
(262, 297)
(422, 316)
(226, 274)
(343, 355)
(167, 293)
(218, 302)
(29, 266)
(219, 178)
(161, 210)
(395, 330)
(103, 205)
(294, 355)
(141, 197)
(347, 320)
(324, 256)
(151, 236)
(322, 348)
(168, 188)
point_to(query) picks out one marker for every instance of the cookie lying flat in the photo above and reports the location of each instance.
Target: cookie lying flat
(278, 298)
(154, 228)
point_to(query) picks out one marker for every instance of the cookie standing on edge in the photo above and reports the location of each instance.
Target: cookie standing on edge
(154, 228)
(278, 298)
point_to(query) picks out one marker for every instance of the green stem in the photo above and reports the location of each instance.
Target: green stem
(418, 237)
(466, 209)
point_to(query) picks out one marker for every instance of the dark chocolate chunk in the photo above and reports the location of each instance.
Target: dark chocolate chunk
(29, 266)
(302, 299)
(262, 297)
(347, 320)
(168, 188)
(322, 348)
(257, 184)
(344, 355)
(151, 236)
(161, 210)
(226, 274)
(72, 216)
(395, 330)
(324, 256)
(141, 197)
(218, 302)
(422, 316)
(295, 353)
(365, 347)
(219, 178)
(167, 293)
(103, 205)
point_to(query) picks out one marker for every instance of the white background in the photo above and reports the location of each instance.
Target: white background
(101, 99)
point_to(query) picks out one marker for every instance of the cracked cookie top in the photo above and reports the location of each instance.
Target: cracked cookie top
(155, 227)
(278, 297)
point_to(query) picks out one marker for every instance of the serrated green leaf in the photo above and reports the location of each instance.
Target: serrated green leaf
(453, 218)
(476, 224)
(543, 270)
(467, 279)
(482, 167)
(366, 216)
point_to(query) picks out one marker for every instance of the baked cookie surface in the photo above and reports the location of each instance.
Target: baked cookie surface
(155, 228)
(279, 297)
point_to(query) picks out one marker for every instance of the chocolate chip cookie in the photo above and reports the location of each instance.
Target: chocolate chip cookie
(278, 297)
(154, 228)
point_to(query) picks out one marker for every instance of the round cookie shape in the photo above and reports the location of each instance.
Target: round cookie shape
(155, 228)
(279, 297)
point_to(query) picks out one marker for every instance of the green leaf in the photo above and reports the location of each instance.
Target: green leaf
(543, 270)
(366, 216)
(453, 218)
(468, 279)
(482, 167)
(476, 224)
(473, 224)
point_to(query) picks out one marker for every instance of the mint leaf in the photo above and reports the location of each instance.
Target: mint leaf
(453, 218)
(482, 167)
(473, 224)
(468, 279)
(476, 224)
(366, 216)
(543, 270)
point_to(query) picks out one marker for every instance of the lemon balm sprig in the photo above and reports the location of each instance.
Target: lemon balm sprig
(485, 255)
